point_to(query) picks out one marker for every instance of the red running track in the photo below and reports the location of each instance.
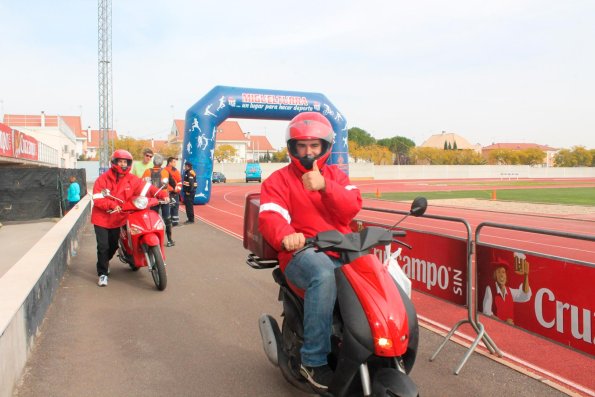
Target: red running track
(533, 355)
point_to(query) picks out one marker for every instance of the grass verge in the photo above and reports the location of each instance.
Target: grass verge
(569, 196)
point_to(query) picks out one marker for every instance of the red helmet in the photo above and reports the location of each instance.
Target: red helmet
(306, 126)
(121, 154)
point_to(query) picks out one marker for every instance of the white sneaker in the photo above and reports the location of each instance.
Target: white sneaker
(102, 281)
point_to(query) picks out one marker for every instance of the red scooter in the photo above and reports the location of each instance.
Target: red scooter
(141, 239)
(375, 328)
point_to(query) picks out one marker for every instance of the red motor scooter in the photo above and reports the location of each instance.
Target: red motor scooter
(375, 329)
(141, 239)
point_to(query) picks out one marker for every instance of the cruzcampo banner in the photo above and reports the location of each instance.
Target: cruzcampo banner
(554, 298)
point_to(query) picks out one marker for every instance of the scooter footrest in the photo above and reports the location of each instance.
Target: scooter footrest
(256, 262)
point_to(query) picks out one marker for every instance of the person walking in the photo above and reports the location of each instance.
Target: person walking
(159, 178)
(106, 214)
(188, 190)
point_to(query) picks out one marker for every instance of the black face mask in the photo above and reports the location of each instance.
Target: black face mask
(307, 162)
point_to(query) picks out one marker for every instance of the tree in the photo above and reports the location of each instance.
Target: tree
(503, 156)
(134, 146)
(280, 156)
(434, 156)
(359, 136)
(578, 156)
(400, 146)
(532, 156)
(224, 152)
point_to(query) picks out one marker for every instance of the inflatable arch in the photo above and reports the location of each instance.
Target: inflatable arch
(222, 102)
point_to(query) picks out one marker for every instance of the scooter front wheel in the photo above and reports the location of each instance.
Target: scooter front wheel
(157, 267)
(390, 382)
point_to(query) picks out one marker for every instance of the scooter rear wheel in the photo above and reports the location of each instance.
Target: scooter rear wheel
(289, 359)
(157, 267)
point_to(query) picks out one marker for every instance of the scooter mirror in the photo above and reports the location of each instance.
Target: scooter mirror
(419, 206)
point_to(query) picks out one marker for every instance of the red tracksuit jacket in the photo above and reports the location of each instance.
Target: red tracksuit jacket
(286, 207)
(124, 188)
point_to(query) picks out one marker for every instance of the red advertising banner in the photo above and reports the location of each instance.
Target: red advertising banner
(436, 265)
(550, 297)
(25, 147)
(6, 148)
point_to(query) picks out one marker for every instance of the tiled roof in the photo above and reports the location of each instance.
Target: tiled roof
(180, 127)
(74, 122)
(230, 131)
(226, 131)
(259, 143)
(518, 146)
(28, 120)
(157, 145)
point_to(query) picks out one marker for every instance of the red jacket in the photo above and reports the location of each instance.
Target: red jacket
(175, 179)
(286, 207)
(124, 188)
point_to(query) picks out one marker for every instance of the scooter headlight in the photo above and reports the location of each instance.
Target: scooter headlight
(134, 230)
(140, 202)
(384, 343)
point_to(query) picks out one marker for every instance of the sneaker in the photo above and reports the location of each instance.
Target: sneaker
(102, 281)
(170, 243)
(318, 377)
(188, 222)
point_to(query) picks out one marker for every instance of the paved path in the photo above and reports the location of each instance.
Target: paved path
(199, 337)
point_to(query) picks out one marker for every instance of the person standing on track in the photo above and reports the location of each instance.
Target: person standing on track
(188, 190)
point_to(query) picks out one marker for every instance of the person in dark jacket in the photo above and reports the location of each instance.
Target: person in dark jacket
(188, 189)
(106, 215)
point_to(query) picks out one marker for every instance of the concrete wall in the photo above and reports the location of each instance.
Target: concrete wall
(235, 172)
(28, 288)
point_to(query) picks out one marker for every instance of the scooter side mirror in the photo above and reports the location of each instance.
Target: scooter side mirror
(419, 206)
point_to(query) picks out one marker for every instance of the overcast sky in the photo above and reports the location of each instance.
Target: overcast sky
(505, 71)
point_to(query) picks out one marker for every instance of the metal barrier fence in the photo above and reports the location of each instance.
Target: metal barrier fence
(471, 282)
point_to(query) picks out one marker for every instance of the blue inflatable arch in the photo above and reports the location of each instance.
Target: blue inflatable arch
(222, 102)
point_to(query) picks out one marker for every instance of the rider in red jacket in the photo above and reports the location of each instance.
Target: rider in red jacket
(297, 202)
(123, 185)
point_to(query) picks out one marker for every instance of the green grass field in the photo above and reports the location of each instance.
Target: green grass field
(572, 196)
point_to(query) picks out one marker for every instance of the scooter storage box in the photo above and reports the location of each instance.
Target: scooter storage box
(253, 240)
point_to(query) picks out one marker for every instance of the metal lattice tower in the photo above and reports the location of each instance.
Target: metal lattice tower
(105, 80)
